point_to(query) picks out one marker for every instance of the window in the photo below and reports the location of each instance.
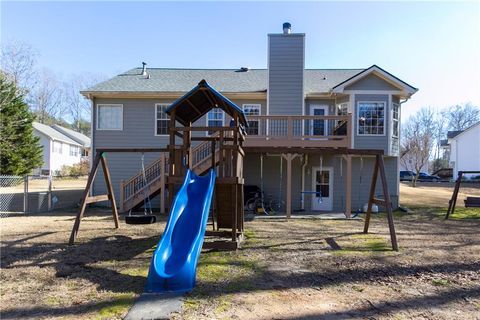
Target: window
(371, 118)
(109, 117)
(253, 125)
(161, 119)
(57, 147)
(342, 109)
(395, 119)
(215, 118)
(74, 151)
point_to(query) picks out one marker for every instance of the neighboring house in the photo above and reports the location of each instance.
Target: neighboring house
(77, 137)
(58, 149)
(279, 102)
(464, 149)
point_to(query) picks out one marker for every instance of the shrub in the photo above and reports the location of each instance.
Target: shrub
(78, 169)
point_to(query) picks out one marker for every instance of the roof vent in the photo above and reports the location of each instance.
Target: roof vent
(144, 69)
(287, 28)
(244, 69)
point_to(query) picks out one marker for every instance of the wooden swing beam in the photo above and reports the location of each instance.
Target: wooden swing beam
(453, 201)
(110, 196)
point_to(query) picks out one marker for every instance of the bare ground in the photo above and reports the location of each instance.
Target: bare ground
(298, 269)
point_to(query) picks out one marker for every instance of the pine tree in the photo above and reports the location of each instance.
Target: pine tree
(20, 151)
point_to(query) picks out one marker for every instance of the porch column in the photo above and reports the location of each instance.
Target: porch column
(289, 157)
(348, 187)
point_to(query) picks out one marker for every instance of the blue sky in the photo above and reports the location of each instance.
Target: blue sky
(435, 46)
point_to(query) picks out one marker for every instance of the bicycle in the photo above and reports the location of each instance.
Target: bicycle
(258, 204)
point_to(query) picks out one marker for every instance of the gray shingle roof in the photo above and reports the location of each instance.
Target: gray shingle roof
(74, 135)
(53, 134)
(223, 80)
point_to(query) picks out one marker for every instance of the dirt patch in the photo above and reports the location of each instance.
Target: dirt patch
(297, 269)
(98, 278)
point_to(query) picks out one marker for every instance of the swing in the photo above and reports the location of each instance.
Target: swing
(319, 193)
(147, 217)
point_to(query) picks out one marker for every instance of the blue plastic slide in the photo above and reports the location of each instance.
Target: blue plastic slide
(174, 263)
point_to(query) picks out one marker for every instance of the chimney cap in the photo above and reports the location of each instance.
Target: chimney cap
(287, 28)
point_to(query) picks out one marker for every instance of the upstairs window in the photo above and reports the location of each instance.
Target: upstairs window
(395, 119)
(109, 117)
(162, 120)
(253, 125)
(215, 118)
(57, 147)
(371, 118)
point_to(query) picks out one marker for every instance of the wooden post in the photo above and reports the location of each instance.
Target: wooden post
(388, 203)
(214, 161)
(453, 201)
(371, 196)
(162, 183)
(289, 128)
(288, 208)
(122, 194)
(83, 202)
(234, 212)
(348, 188)
(111, 194)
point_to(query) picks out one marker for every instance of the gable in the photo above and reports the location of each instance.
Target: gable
(371, 82)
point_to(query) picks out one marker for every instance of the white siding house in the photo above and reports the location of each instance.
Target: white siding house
(465, 150)
(58, 149)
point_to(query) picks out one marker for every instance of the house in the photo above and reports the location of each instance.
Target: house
(464, 149)
(77, 137)
(286, 105)
(59, 149)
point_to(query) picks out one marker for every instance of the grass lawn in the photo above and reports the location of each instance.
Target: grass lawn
(297, 269)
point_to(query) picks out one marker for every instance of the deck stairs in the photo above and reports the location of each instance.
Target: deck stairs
(132, 191)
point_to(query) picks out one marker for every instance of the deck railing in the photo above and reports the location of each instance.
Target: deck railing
(285, 130)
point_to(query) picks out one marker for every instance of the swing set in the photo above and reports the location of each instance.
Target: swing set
(470, 202)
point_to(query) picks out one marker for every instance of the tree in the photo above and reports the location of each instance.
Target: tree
(46, 98)
(77, 106)
(417, 141)
(18, 61)
(460, 117)
(20, 151)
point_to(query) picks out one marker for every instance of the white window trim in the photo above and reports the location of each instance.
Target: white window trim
(398, 120)
(384, 119)
(109, 104)
(156, 120)
(259, 106)
(223, 119)
(326, 108)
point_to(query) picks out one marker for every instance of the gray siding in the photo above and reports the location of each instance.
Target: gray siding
(371, 82)
(372, 141)
(138, 131)
(286, 62)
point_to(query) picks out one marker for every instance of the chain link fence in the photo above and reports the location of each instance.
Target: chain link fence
(38, 193)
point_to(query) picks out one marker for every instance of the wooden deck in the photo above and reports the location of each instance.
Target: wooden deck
(299, 131)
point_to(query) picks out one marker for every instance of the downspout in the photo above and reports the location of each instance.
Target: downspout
(304, 165)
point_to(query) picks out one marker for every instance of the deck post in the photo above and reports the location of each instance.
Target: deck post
(289, 158)
(348, 188)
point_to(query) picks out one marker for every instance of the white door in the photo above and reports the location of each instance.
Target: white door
(318, 127)
(322, 184)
